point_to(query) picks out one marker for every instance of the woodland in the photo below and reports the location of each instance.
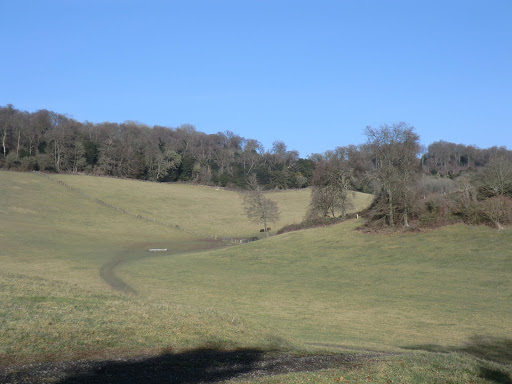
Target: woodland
(415, 186)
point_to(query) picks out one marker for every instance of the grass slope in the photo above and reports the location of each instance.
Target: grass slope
(55, 305)
(418, 367)
(335, 285)
(200, 209)
(443, 297)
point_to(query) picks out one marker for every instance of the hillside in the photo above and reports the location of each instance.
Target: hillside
(335, 285)
(443, 294)
(199, 209)
(56, 305)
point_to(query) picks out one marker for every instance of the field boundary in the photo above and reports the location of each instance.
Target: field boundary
(177, 227)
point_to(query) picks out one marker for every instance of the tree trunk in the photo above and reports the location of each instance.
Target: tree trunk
(265, 226)
(57, 156)
(4, 137)
(499, 227)
(18, 146)
(391, 218)
(406, 221)
(343, 207)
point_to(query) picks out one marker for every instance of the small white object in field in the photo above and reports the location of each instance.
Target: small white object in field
(157, 249)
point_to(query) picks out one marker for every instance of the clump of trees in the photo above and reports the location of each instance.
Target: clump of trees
(53, 142)
(414, 185)
(394, 153)
(332, 184)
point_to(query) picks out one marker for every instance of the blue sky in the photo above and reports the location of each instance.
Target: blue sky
(313, 74)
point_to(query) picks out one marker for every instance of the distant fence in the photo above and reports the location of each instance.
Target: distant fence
(230, 240)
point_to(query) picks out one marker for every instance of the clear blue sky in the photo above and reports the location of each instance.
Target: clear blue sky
(311, 73)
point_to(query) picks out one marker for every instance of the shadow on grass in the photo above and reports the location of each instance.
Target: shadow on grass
(204, 365)
(492, 349)
(191, 367)
(487, 348)
(495, 375)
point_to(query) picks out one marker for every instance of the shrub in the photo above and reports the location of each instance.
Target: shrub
(497, 211)
(311, 223)
(11, 161)
(45, 162)
(28, 163)
(429, 185)
(436, 211)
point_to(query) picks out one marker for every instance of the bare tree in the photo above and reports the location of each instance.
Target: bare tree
(331, 183)
(250, 155)
(163, 163)
(498, 210)
(77, 157)
(6, 118)
(394, 150)
(498, 174)
(259, 208)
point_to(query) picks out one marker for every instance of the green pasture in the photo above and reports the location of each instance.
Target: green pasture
(338, 286)
(204, 210)
(441, 299)
(414, 367)
(54, 303)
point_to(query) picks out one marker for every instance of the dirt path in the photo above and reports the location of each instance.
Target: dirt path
(107, 270)
(107, 274)
(191, 367)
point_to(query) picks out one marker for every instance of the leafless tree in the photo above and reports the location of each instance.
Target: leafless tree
(395, 149)
(498, 210)
(331, 183)
(259, 208)
(498, 174)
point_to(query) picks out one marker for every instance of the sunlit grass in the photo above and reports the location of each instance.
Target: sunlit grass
(435, 291)
(336, 285)
(203, 210)
(410, 368)
(54, 303)
(44, 320)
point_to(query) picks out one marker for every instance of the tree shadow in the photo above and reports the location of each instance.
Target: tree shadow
(498, 350)
(495, 375)
(492, 349)
(204, 365)
(190, 367)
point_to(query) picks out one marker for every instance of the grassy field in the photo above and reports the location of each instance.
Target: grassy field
(338, 286)
(200, 209)
(54, 303)
(417, 367)
(441, 299)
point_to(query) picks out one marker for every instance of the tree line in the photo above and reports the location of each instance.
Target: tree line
(440, 183)
(49, 141)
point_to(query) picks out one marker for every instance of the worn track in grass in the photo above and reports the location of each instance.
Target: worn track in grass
(107, 270)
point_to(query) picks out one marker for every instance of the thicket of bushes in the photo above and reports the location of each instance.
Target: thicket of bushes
(311, 223)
